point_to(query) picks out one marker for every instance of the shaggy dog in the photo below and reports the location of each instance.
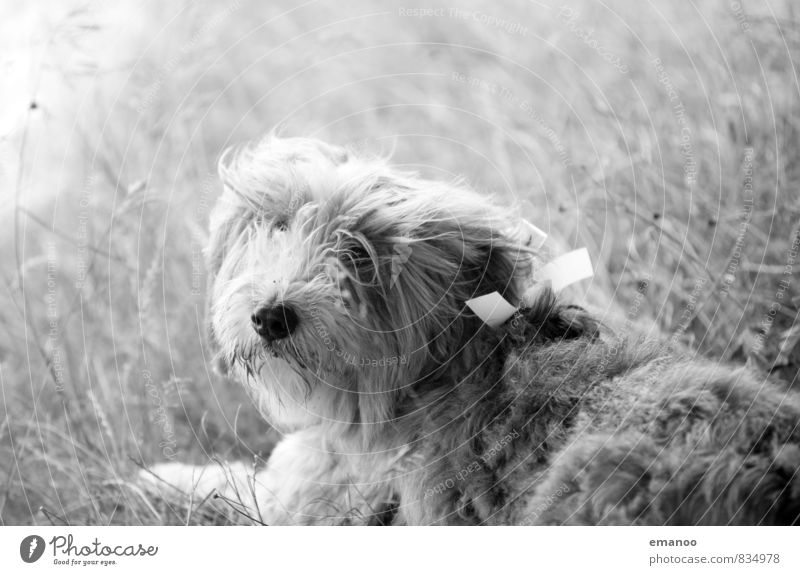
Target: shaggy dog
(338, 290)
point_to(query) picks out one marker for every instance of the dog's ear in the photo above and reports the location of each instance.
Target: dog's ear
(459, 246)
(429, 253)
(226, 222)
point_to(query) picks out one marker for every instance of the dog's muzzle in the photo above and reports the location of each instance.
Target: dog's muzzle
(274, 322)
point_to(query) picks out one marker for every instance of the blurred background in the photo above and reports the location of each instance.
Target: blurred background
(663, 136)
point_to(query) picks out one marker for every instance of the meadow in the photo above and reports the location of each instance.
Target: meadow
(663, 136)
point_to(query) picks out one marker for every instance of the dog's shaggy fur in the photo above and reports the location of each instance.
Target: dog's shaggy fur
(401, 406)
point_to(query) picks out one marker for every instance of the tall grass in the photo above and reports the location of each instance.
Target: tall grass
(664, 138)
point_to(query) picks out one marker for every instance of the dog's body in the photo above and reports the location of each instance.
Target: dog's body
(401, 406)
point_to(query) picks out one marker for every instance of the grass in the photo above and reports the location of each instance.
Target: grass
(681, 175)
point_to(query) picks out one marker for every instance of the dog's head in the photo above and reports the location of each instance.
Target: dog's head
(339, 282)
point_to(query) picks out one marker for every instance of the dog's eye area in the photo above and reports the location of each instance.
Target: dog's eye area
(281, 224)
(354, 256)
(358, 260)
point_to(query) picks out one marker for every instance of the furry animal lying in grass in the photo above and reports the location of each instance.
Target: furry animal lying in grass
(338, 299)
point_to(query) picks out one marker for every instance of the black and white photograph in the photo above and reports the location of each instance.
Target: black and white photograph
(367, 263)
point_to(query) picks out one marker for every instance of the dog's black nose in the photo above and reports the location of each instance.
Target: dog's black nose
(274, 322)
